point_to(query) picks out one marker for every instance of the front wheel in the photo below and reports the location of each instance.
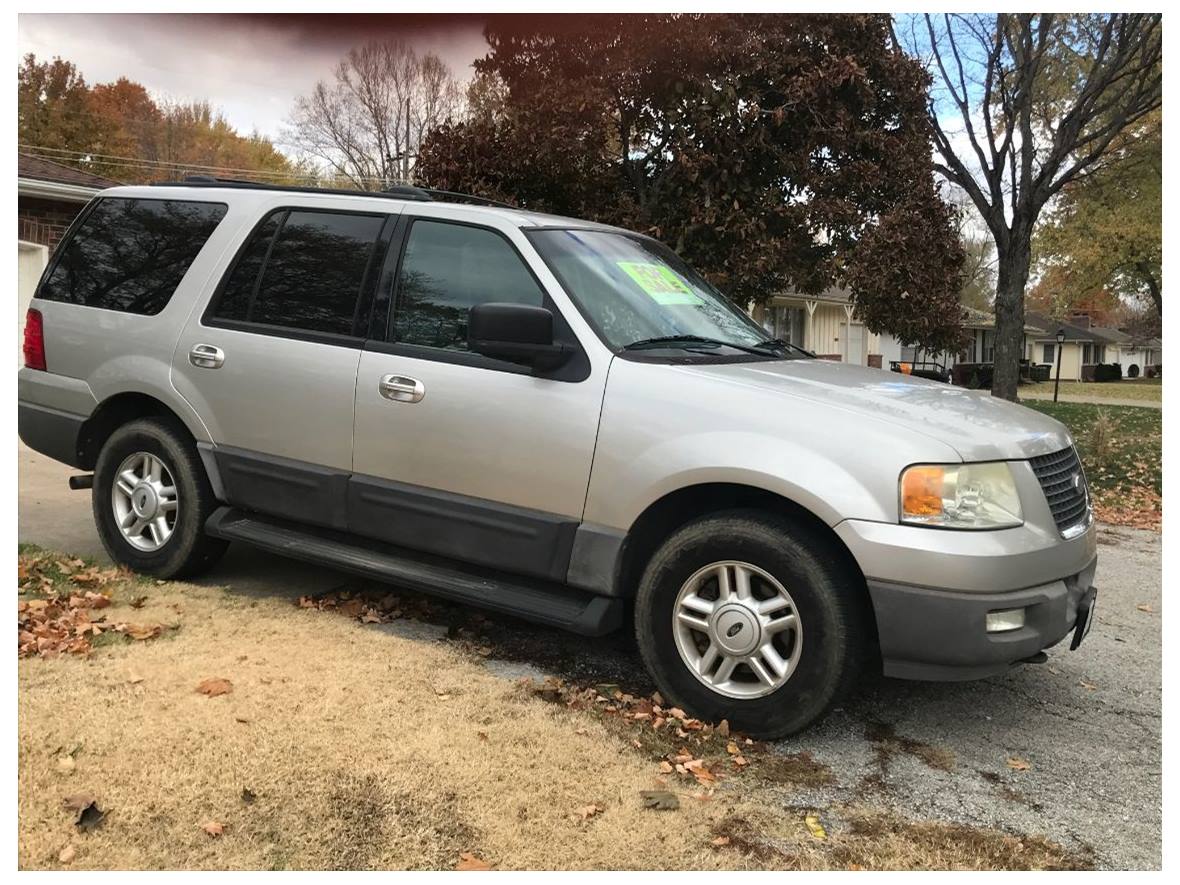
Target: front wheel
(151, 498)
(752, 618)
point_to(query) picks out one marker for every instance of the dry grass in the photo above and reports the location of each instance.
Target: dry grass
(365, 749)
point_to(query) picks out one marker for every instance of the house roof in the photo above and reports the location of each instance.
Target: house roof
(973, 318)
(40, 169)
(1072, 332)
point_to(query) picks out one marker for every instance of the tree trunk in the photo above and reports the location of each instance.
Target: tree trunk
(1012, 275)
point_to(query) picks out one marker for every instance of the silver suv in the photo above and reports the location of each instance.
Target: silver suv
(551, 418)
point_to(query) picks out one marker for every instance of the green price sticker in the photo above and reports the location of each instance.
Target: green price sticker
(660, 282)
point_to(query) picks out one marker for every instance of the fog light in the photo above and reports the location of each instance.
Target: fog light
(1008, 619)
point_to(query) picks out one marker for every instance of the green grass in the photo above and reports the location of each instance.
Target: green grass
(1145, 389)
(1120, 446)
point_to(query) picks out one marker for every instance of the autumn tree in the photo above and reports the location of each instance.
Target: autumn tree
(366, 124)
(120, 131)
(1024, 105)
(53, 106)
(773, 152)
(1104, 233)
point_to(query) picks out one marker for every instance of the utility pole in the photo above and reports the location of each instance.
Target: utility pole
(406, 177)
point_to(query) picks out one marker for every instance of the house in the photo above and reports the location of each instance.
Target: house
(1083, 346)
(827, 325)
(48, 197)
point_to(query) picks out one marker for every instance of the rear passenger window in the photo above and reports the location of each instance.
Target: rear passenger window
(448, 268)
(130, 254)
(302, 270)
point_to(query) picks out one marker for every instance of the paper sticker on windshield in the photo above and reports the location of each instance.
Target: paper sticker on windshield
(660, 282)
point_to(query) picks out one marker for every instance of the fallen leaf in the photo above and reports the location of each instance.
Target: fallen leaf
(741, 761)
(720, 841)
(1089, 686)
(138, 601)
(67, 854)
(140, 632)
(732, 749)
(588, 811)
(90, 817)
(482, 735)
(66, 764)
(666, 766)
(135, 679)
(1144, 607)
(248, 796)
(77, 802)
(213, 828)
(815, 827)
(1018, 764)
(581, 731)
(214, 687)
(723, 728)
(469, 861)
(660, 800)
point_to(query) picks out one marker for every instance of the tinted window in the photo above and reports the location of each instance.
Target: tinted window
(312, 278)
(130, 255)
(446, 269)
(239, 288)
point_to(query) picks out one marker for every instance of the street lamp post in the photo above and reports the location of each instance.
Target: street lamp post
(1057, 378)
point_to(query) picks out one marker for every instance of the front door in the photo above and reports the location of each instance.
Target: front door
(271, 365)
(460, 454)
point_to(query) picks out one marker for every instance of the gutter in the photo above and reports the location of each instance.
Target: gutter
(55, 190)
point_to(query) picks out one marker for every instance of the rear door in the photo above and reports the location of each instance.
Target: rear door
(485, 460)
(270, 364)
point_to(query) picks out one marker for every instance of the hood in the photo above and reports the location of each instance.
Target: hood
(974, 423)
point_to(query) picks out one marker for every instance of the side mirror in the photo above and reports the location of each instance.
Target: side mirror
(519, 333)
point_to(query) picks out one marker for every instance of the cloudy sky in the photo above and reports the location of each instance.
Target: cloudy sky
(250, 66)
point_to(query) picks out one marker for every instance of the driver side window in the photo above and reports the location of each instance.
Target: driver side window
(448, 268)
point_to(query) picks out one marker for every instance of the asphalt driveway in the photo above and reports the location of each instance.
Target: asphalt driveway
(1069, 749)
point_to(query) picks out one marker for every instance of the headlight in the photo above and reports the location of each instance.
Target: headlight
(960, 496)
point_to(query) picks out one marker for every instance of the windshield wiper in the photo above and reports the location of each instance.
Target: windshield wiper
(780, 344)
(688, 341)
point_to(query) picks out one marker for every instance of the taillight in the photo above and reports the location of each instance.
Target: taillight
(34, 340)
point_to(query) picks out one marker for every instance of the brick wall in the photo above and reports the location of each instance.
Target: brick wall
(45, 221)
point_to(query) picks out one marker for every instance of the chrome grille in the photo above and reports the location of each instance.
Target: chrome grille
(1064, 484)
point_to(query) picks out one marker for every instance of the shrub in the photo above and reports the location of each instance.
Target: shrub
(1108, 372)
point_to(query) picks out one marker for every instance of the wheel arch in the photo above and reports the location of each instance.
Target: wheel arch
(679, 507)
(115, 411)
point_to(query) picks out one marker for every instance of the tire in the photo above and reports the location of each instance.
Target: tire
(180, 550)
(826, 595)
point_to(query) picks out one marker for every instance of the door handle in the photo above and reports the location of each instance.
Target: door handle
(206, 356)
(401, 389)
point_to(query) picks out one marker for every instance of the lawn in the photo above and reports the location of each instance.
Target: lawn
(1145, 389)
(220, 730)
(1121, 449)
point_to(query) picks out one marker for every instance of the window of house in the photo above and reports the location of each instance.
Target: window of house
(303, 270)
(131, 254)
(446, 270)
(787, 323)
(1048, 353)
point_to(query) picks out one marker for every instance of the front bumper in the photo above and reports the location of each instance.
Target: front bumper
(941, 634)
(931, 591)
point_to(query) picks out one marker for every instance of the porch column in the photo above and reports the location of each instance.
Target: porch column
(847, 329)
(807, 336)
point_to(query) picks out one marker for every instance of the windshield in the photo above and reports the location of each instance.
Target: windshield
(641, 295)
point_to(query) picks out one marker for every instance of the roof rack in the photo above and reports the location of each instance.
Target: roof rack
(394, 192)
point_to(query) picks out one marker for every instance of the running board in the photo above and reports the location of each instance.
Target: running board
(546, 603)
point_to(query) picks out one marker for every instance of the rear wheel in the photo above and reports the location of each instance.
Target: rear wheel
(151, 498)
(751, 617)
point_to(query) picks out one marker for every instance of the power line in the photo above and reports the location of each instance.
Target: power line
(165, 165)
